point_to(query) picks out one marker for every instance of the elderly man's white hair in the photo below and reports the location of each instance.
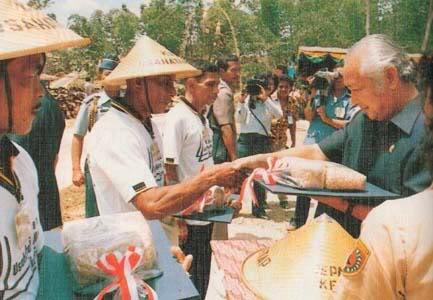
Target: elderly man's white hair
(377, 52)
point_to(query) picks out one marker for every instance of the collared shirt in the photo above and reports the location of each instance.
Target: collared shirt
(81, 125)
(264, 112)
(19, 276)
(335, 108)
(388, 152)
(223, 106)
(123, 160)
(399, 236)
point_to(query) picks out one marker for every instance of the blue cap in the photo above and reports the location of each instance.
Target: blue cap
(108, 64)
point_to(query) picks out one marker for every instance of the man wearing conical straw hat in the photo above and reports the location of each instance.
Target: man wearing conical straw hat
(25, 35)
(125, 159)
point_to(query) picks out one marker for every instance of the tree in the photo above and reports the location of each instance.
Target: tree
(39, 4)
(428, 27)
(367, 16)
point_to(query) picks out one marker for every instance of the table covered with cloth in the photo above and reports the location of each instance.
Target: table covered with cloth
(56, 278)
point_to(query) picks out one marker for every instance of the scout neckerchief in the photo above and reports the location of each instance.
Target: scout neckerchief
(8, 178)
(125, 109)
(187, 103)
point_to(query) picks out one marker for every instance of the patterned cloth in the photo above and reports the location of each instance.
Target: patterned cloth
(229, 256)
(293, 107)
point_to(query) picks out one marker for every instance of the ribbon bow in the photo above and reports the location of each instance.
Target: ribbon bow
(267, 175)
(122, 267)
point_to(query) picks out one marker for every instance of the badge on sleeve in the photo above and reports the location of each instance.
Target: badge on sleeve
(340, 112)
(357, 260)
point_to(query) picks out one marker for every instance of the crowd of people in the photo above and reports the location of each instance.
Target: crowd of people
(369, 114)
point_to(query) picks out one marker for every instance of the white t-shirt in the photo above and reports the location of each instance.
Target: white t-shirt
(187, 141)
(123, 161)
(19, 277)
(187, 144)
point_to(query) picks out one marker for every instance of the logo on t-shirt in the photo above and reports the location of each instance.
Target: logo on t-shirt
(204, 151)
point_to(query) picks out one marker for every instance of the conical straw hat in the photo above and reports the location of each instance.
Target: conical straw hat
(25, 31)
(148, 58)
(304, 265)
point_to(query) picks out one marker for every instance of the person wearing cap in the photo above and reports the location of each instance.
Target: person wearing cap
(21, 62)
(393, 258)
(91, 110)
(383, 140)
(125, 158)
(221, 114)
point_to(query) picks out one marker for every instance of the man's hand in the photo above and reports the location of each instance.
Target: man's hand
(263, 96)
(322, 113)
(228, 175)
(183, 231)
(359, 211)
(77, 177)
(185, 261)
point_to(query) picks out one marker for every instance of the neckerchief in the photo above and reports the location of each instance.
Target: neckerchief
(125, 109)
(187, 103)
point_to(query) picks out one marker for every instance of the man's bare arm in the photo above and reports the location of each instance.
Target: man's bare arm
(155, 203)
(76, 152)
(260, 160)
(229, 140)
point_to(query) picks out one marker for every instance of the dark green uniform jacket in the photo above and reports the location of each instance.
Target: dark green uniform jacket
(387, 152)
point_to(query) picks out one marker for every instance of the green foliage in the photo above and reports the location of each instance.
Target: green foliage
(39, 4)
(265, 32)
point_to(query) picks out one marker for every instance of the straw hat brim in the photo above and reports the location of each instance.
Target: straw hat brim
(25, 31)
(44, 48)
(121, 80)
(294, 267)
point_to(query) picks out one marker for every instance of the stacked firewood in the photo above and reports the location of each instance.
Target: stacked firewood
(69, 100)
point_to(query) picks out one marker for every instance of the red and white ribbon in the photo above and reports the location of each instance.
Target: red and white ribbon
(199, 204)
(122, 267)
(267, 175)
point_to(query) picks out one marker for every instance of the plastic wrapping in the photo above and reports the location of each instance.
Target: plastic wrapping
(85, 241)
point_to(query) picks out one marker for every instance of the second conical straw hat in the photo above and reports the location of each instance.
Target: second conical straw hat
(304, 265)
(148, 58)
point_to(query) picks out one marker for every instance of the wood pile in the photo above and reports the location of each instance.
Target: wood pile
(69, 100)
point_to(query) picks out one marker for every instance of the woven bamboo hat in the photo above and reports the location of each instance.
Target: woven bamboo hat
(304, 265)
(148, 58)
(26, 31)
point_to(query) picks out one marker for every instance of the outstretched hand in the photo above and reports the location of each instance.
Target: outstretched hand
(228, 175)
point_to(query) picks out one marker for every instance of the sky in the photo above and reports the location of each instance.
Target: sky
(64, 8)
